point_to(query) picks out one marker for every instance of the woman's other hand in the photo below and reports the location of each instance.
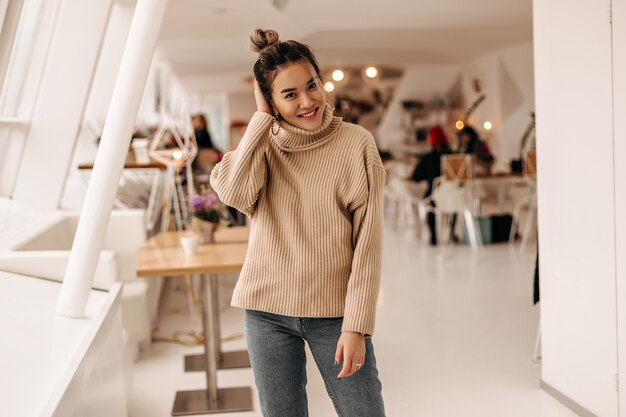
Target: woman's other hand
(350, 348)
(261, 103)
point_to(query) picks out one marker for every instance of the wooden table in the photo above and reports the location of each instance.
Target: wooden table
(129, 163)
(170, 260)
(154, 260)
(225, 360)
(238, 234)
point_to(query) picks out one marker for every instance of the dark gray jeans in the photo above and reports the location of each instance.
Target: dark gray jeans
(276, 348)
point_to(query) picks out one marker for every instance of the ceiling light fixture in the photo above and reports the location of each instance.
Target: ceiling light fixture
(338, 75)
(329, 86)
(487, 125)
(459, 125)
(371, 72)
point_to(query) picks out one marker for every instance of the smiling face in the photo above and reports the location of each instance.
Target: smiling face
(298, 96)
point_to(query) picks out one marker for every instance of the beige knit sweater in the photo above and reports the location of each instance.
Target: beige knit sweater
(314, 199)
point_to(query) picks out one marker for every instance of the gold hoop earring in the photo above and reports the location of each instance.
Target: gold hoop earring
(276, 126)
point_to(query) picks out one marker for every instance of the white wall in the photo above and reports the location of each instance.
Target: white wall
(241, 106)
(576, 201)
(518, 62)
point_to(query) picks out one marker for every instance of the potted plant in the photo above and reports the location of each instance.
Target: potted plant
(205, 211)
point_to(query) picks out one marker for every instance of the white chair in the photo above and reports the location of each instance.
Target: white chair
(451, 199)
(527, 200)
(405, 196)
(454, 194)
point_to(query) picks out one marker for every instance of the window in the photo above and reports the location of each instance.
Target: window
(9, 17)
(17, 33)
(20, 24)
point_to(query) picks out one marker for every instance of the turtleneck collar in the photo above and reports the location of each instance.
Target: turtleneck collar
(294, 139)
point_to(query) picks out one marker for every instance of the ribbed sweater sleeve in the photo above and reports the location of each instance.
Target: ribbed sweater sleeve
(367, 224)
(240, 176)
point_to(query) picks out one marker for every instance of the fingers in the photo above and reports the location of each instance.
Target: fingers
(338, 353)
(261, 103)
(356, 366)
(350, 366)
(346, 368)
(350, 348)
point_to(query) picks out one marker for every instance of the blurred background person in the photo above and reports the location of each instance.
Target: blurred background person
(208, 154)
(471, 143)
(429, 167)
(200, 128)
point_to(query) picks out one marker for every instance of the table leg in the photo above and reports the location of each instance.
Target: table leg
(211, 399)
(177, 204)
(224, 360)
(167, 197)
(217, 334)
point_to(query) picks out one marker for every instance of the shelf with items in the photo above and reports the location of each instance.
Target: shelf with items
(418, 117)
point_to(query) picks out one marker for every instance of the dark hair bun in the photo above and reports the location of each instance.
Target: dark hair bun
(261, 39)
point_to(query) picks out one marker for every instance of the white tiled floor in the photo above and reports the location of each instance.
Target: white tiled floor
(454, 338)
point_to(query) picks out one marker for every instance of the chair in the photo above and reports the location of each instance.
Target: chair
(453, 193)
(529, 201)
(457, 167)
(530, 164)
(405, 195)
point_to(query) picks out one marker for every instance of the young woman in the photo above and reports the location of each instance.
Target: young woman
(312, 188)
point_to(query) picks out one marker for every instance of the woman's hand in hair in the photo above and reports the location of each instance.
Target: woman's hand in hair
(350, 350)
(261, 103)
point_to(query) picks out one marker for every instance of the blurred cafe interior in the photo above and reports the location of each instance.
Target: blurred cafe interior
(502, 284)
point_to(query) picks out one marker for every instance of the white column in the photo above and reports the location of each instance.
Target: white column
(619, 143)
(111, 155)
(576, 203)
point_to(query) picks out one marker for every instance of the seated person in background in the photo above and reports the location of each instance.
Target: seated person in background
(471, 143)
(208, 154)
(429, 168)
(200, 128)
